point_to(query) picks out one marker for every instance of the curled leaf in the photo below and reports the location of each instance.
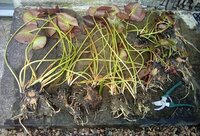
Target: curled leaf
(66, 21)
(29, 17)
(135, 11)
(24, 35)
(39, 42)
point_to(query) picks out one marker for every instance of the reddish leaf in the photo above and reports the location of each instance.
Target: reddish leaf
(66, 21)
(88, 20)
(102, 11)
(171, 70)
(55, 36)
(128, 8)
(76, 30)
(143, 73)
(53, 11)
(48, 11)
(137, 17)
(51, 31)
(114, 10)
(39, 42)
(104, 8)
(122, 15)
(24, 35)
(91, 11)
(29, 17)
(135, 11)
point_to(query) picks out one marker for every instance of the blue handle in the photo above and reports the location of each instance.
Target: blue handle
(173, 88)
(180, 105)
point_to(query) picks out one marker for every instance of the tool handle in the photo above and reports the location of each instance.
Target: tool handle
(173, 88)
(180, 105)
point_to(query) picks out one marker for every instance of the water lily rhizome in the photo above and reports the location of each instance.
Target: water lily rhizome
(70, 62)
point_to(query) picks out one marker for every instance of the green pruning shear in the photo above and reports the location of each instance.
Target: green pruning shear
(164, 101)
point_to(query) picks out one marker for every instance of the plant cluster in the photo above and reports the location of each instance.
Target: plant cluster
(110, 49)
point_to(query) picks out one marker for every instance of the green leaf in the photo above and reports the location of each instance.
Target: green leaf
(39, 42)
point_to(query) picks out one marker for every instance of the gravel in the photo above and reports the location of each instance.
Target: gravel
(149, 131)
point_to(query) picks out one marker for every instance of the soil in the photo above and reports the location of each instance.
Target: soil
(78, 101)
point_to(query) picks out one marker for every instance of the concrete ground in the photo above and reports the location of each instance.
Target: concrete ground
(5, 25)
